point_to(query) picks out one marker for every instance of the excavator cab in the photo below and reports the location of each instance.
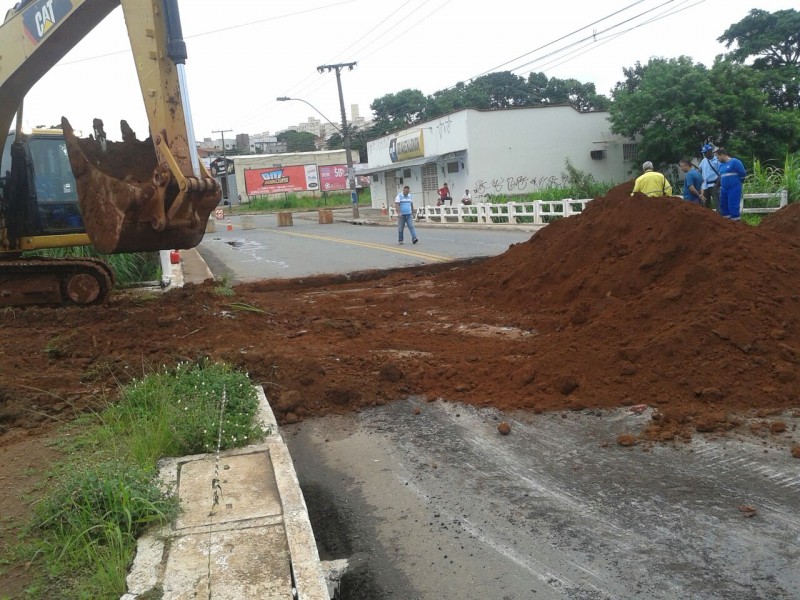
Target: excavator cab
(39, 189)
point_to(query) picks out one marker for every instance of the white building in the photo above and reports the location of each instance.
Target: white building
(496, 152)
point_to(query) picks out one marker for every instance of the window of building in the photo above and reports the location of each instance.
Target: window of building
(375, 177)
(629, 151)
(406, 173)
(452, 167)
(430, 181)
(598, 154)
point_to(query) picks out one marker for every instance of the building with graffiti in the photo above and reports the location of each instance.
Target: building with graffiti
(496, 152)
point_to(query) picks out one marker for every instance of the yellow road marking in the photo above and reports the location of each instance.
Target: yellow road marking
(384, 247)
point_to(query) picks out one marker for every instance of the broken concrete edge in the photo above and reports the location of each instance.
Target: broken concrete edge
(148, 567)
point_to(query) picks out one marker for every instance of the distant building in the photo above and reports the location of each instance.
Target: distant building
(259, 175)
(496, 152)
(322, 129)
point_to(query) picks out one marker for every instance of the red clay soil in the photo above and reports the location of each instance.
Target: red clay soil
(638, 301)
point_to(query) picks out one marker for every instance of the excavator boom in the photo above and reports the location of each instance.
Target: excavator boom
(134, 196)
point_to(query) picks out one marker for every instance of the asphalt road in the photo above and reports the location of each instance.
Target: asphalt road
(440, 505)
(308, 248)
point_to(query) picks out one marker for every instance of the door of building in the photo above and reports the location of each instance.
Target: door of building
(391, 188)
(430, 185)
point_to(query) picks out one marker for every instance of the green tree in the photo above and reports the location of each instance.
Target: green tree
(335, 142)
(666, 105)
(581, 96)
(452, 99)
(772, 41)
(396, 111)
(358, 142)
(499, 90)
(672, 105)
(298, 141)
(745, 121)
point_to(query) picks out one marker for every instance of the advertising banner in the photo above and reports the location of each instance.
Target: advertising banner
(275, 180)
(333, 177)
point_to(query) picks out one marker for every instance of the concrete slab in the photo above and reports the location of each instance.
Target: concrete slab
(255, 542)
(229, 565)
(246, 490)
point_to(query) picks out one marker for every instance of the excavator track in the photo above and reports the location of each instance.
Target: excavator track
(54, 281)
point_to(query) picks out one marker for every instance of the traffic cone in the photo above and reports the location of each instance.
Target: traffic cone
(230, 226)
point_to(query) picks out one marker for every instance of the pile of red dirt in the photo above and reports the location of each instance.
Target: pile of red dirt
(659, 301)
(636, 301)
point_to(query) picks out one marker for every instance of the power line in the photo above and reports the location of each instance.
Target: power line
(373, 31)
(196, 35)
(405, 31)
(593, 36)
(301, 87)
(557, 40)
(613, 36)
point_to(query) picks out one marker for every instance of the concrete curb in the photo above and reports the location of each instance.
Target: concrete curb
(166, 560)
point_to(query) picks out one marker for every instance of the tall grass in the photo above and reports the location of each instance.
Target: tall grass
(765, 179)
(83, 533)
(129, 269)
(277, 202)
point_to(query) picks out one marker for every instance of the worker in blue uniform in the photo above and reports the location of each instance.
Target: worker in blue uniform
(731, 177)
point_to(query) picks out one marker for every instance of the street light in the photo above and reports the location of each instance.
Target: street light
(345, 133)
(287, 98)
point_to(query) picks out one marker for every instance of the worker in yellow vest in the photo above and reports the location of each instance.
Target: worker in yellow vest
(651, 183)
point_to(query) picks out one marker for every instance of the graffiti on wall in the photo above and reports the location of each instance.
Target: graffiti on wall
(443, 127)
(513, 185)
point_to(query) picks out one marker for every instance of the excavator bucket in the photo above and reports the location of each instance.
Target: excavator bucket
(134, 198)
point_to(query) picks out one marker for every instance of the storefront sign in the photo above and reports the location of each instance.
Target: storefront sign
(404, 147)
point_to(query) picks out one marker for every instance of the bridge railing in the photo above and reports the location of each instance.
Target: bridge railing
(541, 212)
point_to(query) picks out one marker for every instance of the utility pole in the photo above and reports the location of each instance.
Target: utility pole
(225, 161)
(351, 179)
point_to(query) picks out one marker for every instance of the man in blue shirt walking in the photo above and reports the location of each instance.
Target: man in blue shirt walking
(692, 182)
(731, 178)
(404, 203)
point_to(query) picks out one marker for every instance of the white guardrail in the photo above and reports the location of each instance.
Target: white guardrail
(541, 212)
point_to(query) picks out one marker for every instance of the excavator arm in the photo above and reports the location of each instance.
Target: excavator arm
(134, 196)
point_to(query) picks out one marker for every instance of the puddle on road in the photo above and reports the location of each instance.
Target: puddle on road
(255, 251)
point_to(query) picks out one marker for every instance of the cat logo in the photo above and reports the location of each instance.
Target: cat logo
(40, 17)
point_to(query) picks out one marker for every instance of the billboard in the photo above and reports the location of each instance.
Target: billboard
(275, 180)
(333, 177)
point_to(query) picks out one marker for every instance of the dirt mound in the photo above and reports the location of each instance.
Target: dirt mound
(784, 221)
(661, 301)
(638, 301)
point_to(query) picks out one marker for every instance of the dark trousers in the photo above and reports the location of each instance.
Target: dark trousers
(711, 197)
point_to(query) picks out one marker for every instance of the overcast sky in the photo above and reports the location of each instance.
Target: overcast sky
(245, 53)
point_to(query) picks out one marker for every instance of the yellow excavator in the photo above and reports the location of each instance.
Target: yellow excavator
(59, 190)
